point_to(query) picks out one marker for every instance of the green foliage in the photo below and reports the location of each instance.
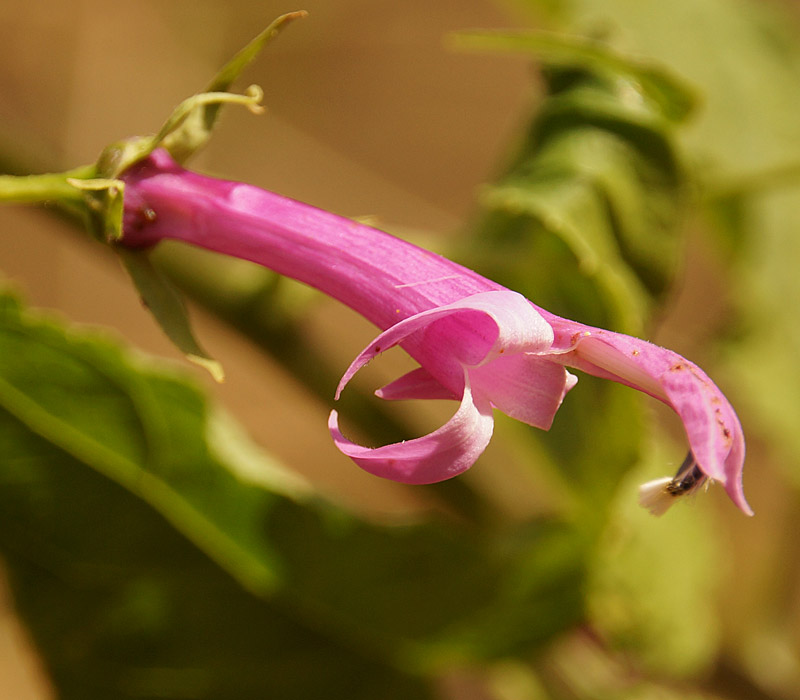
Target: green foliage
(121, 605)
(595, 189)
(654, 582)
(135, 425)
(120, 501)
(743, 141)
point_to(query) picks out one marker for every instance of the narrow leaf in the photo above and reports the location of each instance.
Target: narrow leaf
(166, 305)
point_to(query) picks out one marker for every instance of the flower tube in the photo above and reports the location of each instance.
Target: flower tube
(476, 342)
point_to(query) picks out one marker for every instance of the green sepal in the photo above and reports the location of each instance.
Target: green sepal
(167, 307)
(180, 133)
(104, 200)
(195, 129)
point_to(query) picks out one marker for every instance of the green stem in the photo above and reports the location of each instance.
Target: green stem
(48, 187)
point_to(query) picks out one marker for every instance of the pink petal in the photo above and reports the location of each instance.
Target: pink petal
(442, 454)
(712, 427)
(713, 430)
(417, 384)
(471, 331)
(529, 388)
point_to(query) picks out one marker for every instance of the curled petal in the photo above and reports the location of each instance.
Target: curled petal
(442, 454)
(713, 430)
(471, 331)
(526, 387)
(417, 384)
(712, 427)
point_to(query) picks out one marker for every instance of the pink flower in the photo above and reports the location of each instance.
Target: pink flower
(476, 342)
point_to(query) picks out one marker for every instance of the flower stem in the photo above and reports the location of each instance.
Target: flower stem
(48, 187)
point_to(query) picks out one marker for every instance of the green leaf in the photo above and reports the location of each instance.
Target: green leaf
(138, 426)
(108, 455)
(430, 595)
(751, 67)
(121, 606)
(599, 170)
(654, 581)
(166, 305)
(654, 83)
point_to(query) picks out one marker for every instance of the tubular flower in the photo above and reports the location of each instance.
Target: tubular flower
(476, 342)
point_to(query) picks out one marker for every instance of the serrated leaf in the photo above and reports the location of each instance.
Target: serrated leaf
(136, 425)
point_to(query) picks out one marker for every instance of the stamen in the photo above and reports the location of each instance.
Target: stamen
(688, 478)
(658, 495)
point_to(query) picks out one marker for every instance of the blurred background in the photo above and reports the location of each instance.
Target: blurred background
(371, 114)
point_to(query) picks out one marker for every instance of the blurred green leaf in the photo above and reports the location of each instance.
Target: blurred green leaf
(599, 170)
(167, 307)
(654, 581)
(654, 83)
(122, 606)
(444, 596)
(761, 356)
(137, 425)
(107, 453)
(752, 68)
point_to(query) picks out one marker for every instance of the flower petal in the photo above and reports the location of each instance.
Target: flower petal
(442, 454)
(471, 331)
(712, 427)
(713, 430)
(529, 388)
(417, 384)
